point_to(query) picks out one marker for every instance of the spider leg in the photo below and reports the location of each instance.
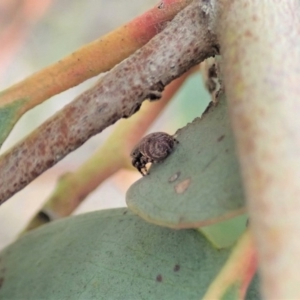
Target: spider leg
(143, 171)
(144, 160)
(137, 164)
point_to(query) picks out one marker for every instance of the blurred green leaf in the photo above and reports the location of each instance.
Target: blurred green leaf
(225, 234)
(8, 116)
(189, 103)
(108, 255)
(199, 183)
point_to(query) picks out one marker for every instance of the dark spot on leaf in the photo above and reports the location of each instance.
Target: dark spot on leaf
(220, 138)
(125, 212)
(1, 282)
(159, 278)
(176, 268)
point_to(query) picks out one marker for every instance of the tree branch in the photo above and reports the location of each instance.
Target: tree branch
(90, 60)
(113, 155)
(186, 41)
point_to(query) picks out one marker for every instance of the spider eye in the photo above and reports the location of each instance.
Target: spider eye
(135, 152)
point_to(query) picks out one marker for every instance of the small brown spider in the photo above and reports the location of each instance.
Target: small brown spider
(153, 148)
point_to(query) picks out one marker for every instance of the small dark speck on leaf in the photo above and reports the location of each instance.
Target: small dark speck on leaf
(247, 222)
(1, 282)
(159, 278)
(220, 138)
(176, 268)
(125, 212)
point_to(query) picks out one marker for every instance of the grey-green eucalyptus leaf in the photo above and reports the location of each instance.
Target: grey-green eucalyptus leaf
(225, 234)
(199, 183)
(108, 255)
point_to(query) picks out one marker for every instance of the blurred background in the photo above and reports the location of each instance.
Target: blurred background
(34, 34)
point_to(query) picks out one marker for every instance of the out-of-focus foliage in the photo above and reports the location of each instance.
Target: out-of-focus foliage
(109, 255)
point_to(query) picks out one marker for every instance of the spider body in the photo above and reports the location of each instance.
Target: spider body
(153, 148)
